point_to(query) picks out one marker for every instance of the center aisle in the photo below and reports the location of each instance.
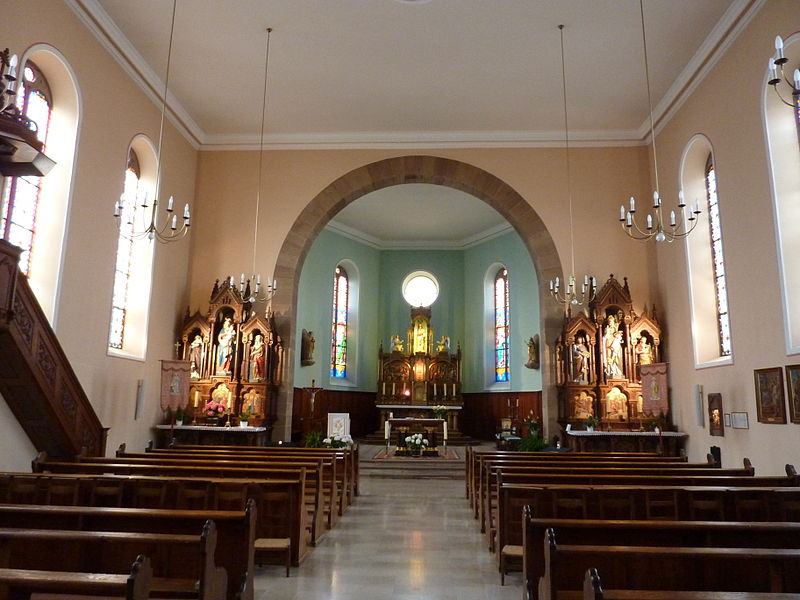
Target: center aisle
(402, 539)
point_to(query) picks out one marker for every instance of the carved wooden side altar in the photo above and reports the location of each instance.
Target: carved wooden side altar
(599, 359)
(235, 357)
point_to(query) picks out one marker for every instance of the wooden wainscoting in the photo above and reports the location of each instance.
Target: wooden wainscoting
(364, 417)
(483, 411)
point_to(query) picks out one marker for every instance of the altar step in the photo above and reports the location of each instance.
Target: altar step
(422, 469)
(454, 438)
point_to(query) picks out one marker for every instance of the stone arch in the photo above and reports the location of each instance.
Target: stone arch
(413, 169)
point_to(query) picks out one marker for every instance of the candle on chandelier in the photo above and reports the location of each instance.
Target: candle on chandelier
(186, 214)
(681, 200)
(796, 77)
(779, 46)
(621, 212)
(629, 220)
(174, 226)
(656, 199)
(649, 221)
(170, 202)
(633, 204)
(672, 221)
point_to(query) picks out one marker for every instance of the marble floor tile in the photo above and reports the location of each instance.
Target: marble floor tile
(404, 539)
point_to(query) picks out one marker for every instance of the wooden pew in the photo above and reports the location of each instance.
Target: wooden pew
(593, 590)
(669, 567)
(235, 530)
(336, 465)
(183, 565)
(351, 453)
(23, 583)
(487, 490)
(323, 503)
(243, 475)
(595, 532)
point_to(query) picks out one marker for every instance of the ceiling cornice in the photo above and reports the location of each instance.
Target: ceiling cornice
(724, 33)
(381, 244)
(119, 47)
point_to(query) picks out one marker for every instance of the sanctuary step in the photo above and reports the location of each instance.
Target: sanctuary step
(455, 438)
(412, 469)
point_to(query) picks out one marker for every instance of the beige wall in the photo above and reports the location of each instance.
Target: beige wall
(727, 108)
(114, 110)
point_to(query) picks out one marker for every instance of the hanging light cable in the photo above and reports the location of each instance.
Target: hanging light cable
(169, 231)
(570, 295)
(251, 289)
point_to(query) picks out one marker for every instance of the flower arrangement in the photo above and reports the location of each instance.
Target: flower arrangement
(337, 441)
(415, 441)
(439, 411)
(592, 421)
(533, 424)
(214, 409)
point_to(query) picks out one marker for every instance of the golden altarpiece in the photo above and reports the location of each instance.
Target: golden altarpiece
(418, 374)
(235, 357)
(599, 356)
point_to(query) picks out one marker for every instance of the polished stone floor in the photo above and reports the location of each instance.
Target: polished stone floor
(401, 539)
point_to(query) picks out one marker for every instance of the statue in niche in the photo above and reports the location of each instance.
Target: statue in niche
(533, 352)
(195, 357)
(616, 405)
(580, 361)
(612, 348)
(443, 345)
(225, 338)
(307, 348)
(257, 358)
(644, 353)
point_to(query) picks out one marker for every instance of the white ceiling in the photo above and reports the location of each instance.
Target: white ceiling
(373, 73)
(419, 215)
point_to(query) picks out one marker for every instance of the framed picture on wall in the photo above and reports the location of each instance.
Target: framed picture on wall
(793, 387)
(770, 403)
(739, 420)
(716, 425)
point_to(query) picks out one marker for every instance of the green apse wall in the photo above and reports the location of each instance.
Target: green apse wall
(460, 312)
(481, 264)
(314, 306)
(447, 313)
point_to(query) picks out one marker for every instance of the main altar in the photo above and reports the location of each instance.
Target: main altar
(418, 374)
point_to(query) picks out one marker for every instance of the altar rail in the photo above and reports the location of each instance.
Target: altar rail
(36, 378)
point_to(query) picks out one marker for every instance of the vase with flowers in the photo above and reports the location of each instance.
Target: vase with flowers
(214, 411)
(338, 441)
(439, 411)
(416, 444)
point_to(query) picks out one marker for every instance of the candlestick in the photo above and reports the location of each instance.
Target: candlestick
(383, 389)
(393, 388)
(196, 398)
(386, 430)
(444, 435)
(434, 390)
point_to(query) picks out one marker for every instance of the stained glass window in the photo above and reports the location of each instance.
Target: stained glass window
(19, 202)
(131, 191)
(501, 367)
(717, 260)
(341, 305)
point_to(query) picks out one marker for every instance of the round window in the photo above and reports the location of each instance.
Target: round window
(420, 289)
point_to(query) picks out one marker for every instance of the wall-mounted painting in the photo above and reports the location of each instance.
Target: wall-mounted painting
(793, 387)
(770, 403)
(739, 420)
(715, 423)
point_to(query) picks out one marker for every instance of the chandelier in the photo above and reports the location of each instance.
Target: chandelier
(570, 296)
(170, 230)
(655, 226)
(775, 65)
(255, 293)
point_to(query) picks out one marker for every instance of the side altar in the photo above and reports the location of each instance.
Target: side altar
(428, 375)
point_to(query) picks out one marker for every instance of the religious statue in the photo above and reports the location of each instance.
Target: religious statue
(612, 348)
(582, 405)
(644, 353)
(616, 404)
(307, 348)
(533, 352)
(195, 357)
(397, 343)
(580, 361)
(443, 345)
(257, 359)
(225, 351)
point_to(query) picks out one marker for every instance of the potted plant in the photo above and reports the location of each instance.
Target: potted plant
(337, 441)
(416, 444)
(314, 439)
(180, 416)
(244, 418)
(592, 421)
(214, 411)
(439, 412)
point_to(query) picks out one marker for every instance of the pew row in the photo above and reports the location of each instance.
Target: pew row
(668, 568)
(21, 584)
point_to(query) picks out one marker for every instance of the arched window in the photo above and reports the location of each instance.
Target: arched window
(133, 268)
(717, 260)
(501, 314)
(782, 128)
(711, 331)
(341, 306)
(131, 192)
(20, 200)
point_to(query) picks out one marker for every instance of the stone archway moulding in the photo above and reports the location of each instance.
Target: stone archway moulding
(395, 171)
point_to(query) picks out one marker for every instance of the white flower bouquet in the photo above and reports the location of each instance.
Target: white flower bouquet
(415, 441)
(337, 441)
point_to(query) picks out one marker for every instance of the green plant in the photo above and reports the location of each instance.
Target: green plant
(592, 421)
(180, 415)
(314, 439)
(532, 444)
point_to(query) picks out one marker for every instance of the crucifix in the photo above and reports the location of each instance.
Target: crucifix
(313, 390)
(177, 350)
